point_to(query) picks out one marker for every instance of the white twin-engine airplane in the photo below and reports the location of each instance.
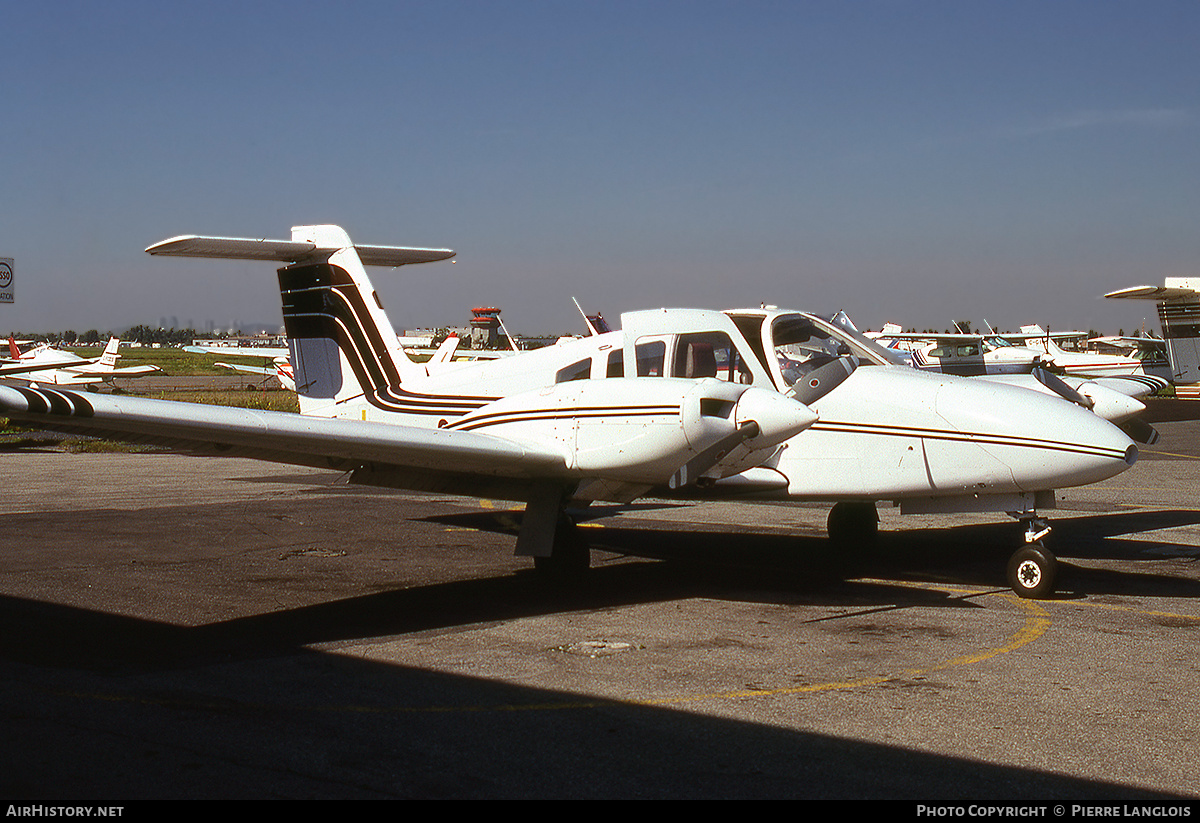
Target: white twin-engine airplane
(756, 402)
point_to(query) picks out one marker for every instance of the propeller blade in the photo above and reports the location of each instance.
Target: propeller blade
(822, 380)
(692, 470)
(1059, 386)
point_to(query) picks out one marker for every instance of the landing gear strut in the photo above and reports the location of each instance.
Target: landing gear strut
(551, 538)
(569, 558)
(1032, 568)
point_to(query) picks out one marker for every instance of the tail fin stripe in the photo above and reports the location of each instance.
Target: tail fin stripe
(322, 301)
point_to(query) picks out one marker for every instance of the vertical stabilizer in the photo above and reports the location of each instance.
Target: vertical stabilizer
(108, 360)
(342, 345)
(1179, 310)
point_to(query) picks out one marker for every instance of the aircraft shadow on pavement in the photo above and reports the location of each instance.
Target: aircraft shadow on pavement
(294, 722)
(970, 554)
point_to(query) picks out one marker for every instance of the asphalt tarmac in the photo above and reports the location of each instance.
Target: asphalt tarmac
(177, 627)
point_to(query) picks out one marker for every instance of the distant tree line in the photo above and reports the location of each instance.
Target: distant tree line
(141, 335)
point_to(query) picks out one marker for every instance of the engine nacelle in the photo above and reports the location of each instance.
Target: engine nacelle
(644, 429)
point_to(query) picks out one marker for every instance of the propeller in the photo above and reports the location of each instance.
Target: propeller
(778, 421)
(1141, 431)
(695, 468)
(1059, 386)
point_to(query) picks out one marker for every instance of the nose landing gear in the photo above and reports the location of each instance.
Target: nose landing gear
(1032, 568)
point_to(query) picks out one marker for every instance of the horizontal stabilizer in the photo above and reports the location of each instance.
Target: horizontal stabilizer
(289, 251)
(1168, 292)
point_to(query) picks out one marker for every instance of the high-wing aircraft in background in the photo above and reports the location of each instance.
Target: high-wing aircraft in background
(966, 355)
(55, 367)
(1152, 374)
(752, 402)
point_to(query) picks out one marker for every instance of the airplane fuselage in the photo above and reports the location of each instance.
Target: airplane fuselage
(885, 433)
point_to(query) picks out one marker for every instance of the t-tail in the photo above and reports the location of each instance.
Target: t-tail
(1178, 302)
(342, 345)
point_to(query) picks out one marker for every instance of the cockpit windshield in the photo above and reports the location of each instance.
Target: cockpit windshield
(802, 343)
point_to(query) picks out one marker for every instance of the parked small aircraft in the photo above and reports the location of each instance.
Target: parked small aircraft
(1151, 374)
(16, 366)
(280, 369)
(62, 368)
(750, 402)
(962, 354)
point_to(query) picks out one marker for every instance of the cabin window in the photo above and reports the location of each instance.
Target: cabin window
(576, 371)
(651, 356)
(616, 363)
(968, 351)
(710, 354)
(941, 351)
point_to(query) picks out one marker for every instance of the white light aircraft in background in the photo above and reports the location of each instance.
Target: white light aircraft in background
(62, 368)
(280, 369)
(1152, 375)
(756, 402)
(966, 355)
(1114, 400)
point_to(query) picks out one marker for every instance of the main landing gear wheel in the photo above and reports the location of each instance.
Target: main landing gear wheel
(1031, 572)
(853, 524)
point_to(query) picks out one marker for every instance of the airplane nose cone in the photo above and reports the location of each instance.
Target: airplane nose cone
(778, 417)
(1045, 441)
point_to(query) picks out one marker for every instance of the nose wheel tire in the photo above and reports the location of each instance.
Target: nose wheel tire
(1031, 572)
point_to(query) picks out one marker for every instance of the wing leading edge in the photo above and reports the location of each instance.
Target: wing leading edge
(277, 436)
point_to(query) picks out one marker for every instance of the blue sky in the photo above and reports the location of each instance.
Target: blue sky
(914, 162)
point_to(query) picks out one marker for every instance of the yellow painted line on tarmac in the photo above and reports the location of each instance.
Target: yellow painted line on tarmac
(1133, 610)
(1036, 624)
(1037, 621)
(1170, 454)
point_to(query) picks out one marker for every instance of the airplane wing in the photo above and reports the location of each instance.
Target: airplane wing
(931, 336)
(240, 351)
(133, 371)
(10, 367)
(277, 436)
(246, 369)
